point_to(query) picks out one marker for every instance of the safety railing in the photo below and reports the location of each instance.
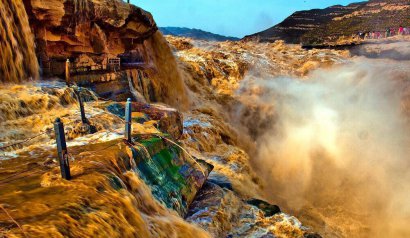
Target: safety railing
(63, 151)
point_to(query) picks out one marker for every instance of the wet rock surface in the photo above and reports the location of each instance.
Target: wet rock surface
(267, 208)
(111, 194)
(214, 209)
(222, 66)
(221, 205)
(224, 214)
(220, 180)
(214, 129)
(116, 189)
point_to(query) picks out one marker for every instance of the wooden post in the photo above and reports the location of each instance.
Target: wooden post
(62, 149)
(128, 121)
(67, 72)
(80, 102)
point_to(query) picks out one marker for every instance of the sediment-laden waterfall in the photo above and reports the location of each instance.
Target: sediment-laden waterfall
(167, 79)
(81, 10)
(18, 60)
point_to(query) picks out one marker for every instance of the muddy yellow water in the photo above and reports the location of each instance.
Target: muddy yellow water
(106, 196)
(18, 60)
(102, 199)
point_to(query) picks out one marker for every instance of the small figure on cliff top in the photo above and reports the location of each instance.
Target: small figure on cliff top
(401, 30)
(387, 32)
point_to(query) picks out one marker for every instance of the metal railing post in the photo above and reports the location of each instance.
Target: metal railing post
(128, 121)
(67, 72)
(62, 149)
(81, 104)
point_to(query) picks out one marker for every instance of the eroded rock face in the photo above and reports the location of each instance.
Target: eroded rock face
(299, 23)
(64, 28)
(92, 34)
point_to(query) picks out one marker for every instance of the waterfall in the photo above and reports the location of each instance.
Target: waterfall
(81, 10)
(18, 61)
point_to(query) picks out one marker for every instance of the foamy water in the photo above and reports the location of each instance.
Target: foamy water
(29, 111)
(32, 168)
(336, 154)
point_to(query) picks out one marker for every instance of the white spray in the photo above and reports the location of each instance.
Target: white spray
(337, 153)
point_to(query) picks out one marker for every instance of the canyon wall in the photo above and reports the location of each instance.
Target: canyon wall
(317, 26)
(95, 36)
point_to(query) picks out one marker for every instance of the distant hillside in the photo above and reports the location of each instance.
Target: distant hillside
(319, 25)
(195, 34)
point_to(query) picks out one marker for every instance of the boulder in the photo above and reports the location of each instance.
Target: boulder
(267, 208)
(220, 180)
(214, 209)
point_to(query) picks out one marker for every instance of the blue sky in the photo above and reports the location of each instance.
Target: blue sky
(228, 17)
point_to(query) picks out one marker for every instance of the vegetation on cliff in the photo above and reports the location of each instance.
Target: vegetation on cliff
(314, 27)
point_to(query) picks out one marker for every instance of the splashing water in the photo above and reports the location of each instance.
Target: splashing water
(18, 60)
(27, 110)
(167, 80)
(336, 154)
(108, 197)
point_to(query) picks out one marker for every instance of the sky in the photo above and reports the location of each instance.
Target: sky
(228, 17)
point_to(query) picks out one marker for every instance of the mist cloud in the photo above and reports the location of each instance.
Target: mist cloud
(337, 152)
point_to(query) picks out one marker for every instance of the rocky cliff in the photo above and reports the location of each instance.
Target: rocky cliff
(95, 35)
(66, 28)
(319, 25)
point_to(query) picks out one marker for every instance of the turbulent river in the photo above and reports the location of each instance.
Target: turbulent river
(337, 151)
(327, 131)
(35, 201)
(324, 134)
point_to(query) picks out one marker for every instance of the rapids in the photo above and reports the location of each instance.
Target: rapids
(322, 133)
(110, 197)
(337, 153)
(28, 110)
(330, 141)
